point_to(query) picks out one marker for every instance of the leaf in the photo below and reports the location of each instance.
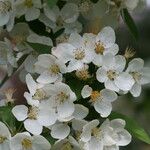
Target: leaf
(58, 33)
(40, 48)
(130, 23)
(133, 127)
(51, 3)
(7, 117)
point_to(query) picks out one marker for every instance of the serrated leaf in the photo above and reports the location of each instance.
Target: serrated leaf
(133, 127)
(51, 3)
(40, 48)
(130, 23)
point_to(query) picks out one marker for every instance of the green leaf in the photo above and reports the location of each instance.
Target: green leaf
(130, 23)
(7, 117)
(133, 127)
(51, 3)
(40, 48)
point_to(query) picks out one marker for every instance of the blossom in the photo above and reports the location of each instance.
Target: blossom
(49, 68)
(100, 99)
(67, 144)
(29, 8)
(77, 52)
(109, 134)
(26, 141)
(104, 43)
(36, 94)
(66, 17)
(7, 13)
(7, 56)
(61, 129)
(139, 73)
(5, 137)
(35, 117)
(112, 75)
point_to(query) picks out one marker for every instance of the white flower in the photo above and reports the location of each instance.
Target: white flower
(103, 43)
(77, 52)
(140, 74)
(35, 38)
(7, 13)
(29, 8)
(37, 94)
(61, 129)
(7, 56)
(5, 137)
(49, 68)
(111, 73)
(61, 18)
(25, 141)
(116, 126)
(100, 99)
(109, 134)
(61, 99)
(35, 117)
(67, 144)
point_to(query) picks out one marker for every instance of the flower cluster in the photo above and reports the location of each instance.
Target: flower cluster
(69, 75)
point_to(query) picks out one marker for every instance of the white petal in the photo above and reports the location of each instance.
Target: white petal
(86, 91)
(32, 14)
(124, 81)
(40, 143)
(47, 117)
(111, 86)
(66, 109)
(95, 144)
(124, 138)
(4, 130)
(31, 101)
(80, 111)
(101, 75)
(108, 95)
(20, 112)
(104, 108)
(33, 126)
(60, 131)
(136, 90)
(98, 60)
(46, 77)
(70, 12)
(31, 84)
(135, 65)
(118, 123)
(78, 124)
(113, 49)
(120, 62)
(106, 36)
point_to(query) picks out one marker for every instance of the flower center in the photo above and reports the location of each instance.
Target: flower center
(83, 74)
(79, 54)
(26, 143)
(2, 139)
(32, 113)
(85, 6)
(66, 146)
(61, 97)
(55, 69)
(129, 53)
(111, 74)
(5, 6)
(99, 48)
(136, 76)
(19, 39)
(28, 3)
(9, 94)
(59, 21)
(96, 132)
(95, 95)
(39, 95)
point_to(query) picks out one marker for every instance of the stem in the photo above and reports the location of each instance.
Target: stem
(4, 80)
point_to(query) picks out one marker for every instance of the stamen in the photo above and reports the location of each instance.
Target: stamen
(61, 97)
(5, 6)
(111, 74)
(55, 69)
(136, 76)
(129, 53)
(95, 95)
(26, 144)
(39, 95)
(28, 3)
(79, 54)
(83, 74)
(33, 112)
(99, 48)
(2, 139)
